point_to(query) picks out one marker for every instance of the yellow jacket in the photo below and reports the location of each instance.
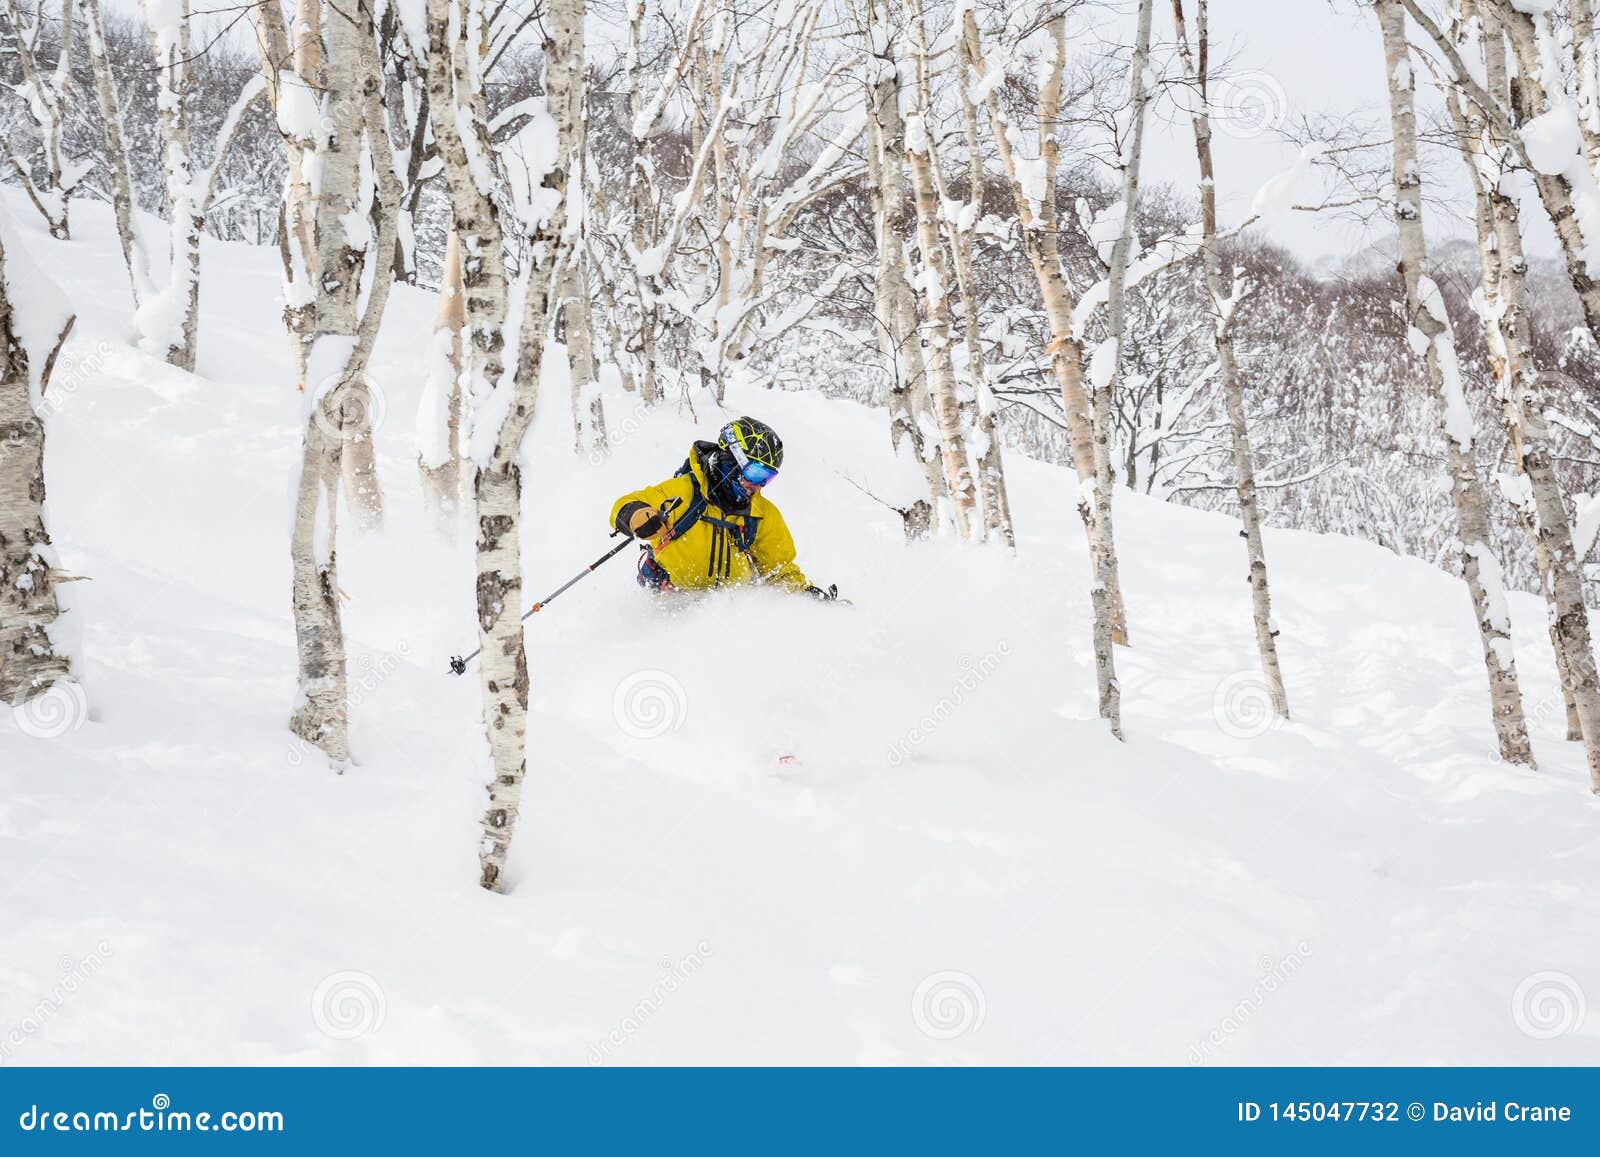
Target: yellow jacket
(718, 548)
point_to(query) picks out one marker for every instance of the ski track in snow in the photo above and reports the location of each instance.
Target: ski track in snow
(962, 868)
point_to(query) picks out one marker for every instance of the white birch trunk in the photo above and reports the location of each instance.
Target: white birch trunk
(1586, 75)
(276, 53)
(572, 306)
(339, 406)
(1425, 311)
(1117, 295)
(1223, 291)
(1037, 218)
(116, 154)
(170, 328)
(991, 464)
(47, 105)
(504, 663)
(456, 112)
(30, 663)
(1508, 335)
(910, 417)
(441, 421)
(936, 339)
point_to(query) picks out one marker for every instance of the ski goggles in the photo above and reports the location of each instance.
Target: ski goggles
(753, 472)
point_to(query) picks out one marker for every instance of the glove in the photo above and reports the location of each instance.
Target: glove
(827, 596)
(645, 522)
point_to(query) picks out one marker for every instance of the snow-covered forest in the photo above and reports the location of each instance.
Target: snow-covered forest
(1213, 607)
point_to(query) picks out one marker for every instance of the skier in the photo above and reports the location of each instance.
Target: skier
(719, 527)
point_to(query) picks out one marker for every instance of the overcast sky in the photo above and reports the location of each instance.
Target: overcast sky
(1287, 58)
(1293, 57)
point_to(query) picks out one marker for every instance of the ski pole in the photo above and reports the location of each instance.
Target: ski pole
(458, 663)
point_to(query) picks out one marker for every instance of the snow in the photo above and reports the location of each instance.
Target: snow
(1276, 196)
(1103, 364)
(299, 110)
(958, 837)
(1552, 139)
(1587, 526)
(39, 309)
(433, 411)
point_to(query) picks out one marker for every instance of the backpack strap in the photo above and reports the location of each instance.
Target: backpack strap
(744, 536)
(696, 507)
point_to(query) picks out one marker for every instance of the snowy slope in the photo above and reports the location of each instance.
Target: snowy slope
(961, 868)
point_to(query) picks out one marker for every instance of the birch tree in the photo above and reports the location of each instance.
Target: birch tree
(1105, 364)
(1534, 490)
(167, 315)
(498, 437)
(1033, 189)
(1542, 131)
(441, 414)
(34, 324)
(933, 282)
(459, 120)
(1433, 340)
(46, 98)
(645, 255)
(116, 153)
(354, 183)
(961, 229)
(572, 308)
(1226, 294)
(913, 431)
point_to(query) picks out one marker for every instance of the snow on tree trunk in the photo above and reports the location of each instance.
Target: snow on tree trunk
(572, 306)
(646, 120)
(933, 283)
(1131, 144)
(1537, 498)
(1544, 132)
(46, 98)
(1225, 295)
(1033, 188)
(167, 320)
(1431, 336)
(116, 155)
(34, 323)
(911, 427)
(991, 465)
(355, 175)
(1586, 75)
(294, 106)
(503, 668)
(460, 128)
(440, 414)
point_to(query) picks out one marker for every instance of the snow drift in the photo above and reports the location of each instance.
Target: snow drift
(756, 828)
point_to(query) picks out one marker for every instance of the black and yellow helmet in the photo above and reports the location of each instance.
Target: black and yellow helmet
(756, 448)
